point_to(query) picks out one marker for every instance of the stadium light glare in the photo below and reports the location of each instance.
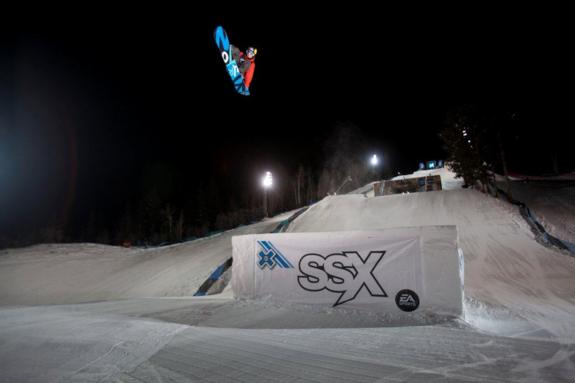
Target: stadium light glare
(267, 180)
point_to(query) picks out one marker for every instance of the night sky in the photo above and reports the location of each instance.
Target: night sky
(92, 103)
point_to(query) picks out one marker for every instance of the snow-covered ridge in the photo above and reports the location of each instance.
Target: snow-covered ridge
(74, 273)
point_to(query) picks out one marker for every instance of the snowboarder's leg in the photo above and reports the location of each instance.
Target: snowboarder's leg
(236, 54)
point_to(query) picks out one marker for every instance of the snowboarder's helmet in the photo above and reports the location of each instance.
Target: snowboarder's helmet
(251, 51)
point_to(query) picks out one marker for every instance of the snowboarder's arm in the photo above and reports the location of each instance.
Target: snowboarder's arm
(236, 53)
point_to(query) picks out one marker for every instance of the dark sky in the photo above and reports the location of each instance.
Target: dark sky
(92, 101)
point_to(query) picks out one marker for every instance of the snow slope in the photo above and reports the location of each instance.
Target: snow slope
(552, 202)
(518, 326)
(366, 189)
(216, 339)
(73, 273)
(506, 270)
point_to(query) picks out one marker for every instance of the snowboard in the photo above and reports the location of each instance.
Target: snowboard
(225, 48)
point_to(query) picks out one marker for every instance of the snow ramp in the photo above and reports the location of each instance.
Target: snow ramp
(77, 273)
(513, 284)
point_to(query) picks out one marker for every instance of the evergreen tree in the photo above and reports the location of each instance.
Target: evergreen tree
(466, 142)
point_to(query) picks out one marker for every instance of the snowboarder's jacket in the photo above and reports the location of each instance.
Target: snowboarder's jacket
(249, 66)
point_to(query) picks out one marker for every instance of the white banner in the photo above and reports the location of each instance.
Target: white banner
(394, 271)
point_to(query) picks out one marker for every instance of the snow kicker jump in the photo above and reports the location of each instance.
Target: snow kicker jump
(394, 271)
(240, 66)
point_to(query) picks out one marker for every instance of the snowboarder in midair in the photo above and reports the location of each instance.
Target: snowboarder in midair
(246, 63)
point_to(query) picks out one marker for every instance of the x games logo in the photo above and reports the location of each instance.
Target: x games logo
(269, 256)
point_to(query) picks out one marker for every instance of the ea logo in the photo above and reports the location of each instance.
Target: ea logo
(345, 273)
(407, 300)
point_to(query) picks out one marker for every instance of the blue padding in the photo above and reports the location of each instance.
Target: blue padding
(534, 223)
(217, 273)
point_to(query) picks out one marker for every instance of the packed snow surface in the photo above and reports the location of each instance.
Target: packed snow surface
(72, 273)
(143, 325)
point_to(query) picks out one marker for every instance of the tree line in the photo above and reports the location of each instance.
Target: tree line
(158, 215)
